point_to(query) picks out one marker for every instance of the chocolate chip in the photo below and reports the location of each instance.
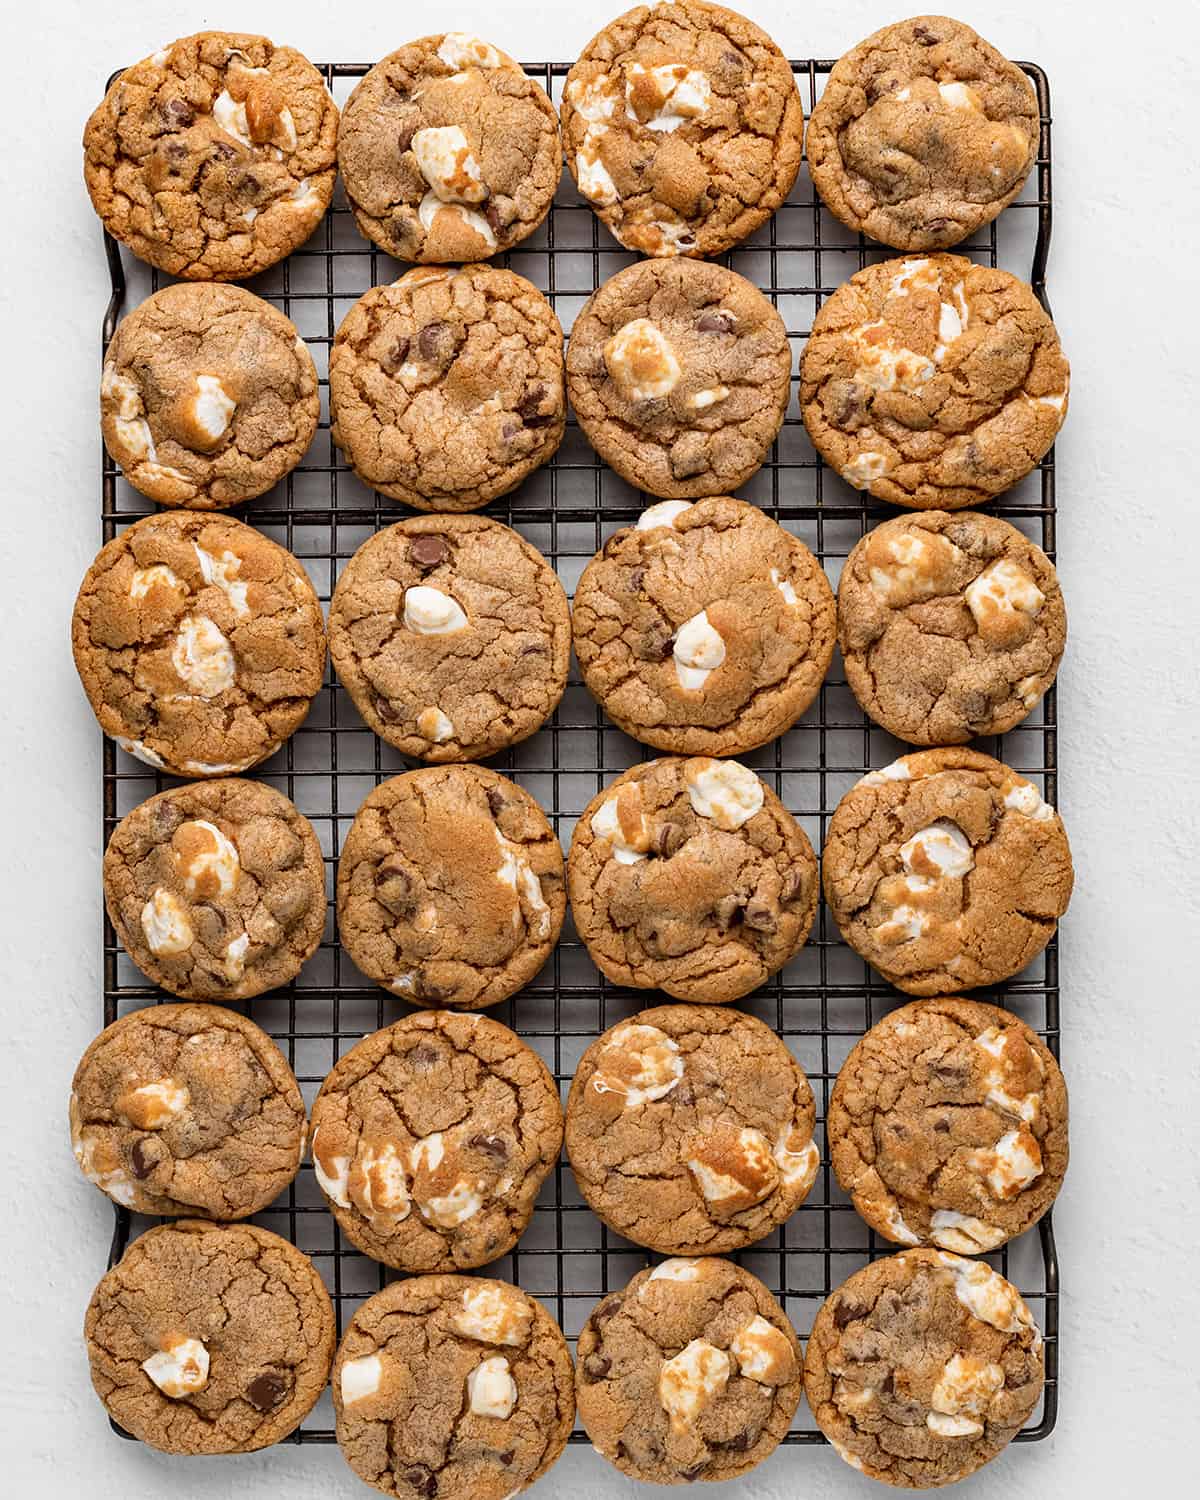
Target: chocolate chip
(267, 1391)
(223, 151)
(727, 911)
(428, 989)
(492, 214)
(509, 430)
(668, 839)
(740, 1443)
(422, 1481)
(422, 1057)
(760, 916)
(845, 1311)
(693, 1474)
(394, 885)
(718, 320)
(140, 1161)
(507, 1456)
(936, 226)
(496, 801)
(428, 551)
(636, 578)
(597, 1366)
(178, 114)
(686, 241)
(391, 361)
(490, 1145)
(888, 1384)
(656, 646)
(527, 406)
(388, 711)
(922, 34)
(609, 1308)
(404, 137)
(942, 1126)
(950, 1072)
(792, 887)
(175, 150)
(436, 341)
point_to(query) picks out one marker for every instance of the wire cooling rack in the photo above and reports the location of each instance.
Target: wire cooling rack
(827, 997)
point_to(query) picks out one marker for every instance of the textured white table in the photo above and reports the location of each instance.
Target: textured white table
(1122, 282)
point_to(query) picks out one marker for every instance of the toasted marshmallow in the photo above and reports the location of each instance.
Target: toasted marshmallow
(641, 361)
(724, 791)
(165, 925)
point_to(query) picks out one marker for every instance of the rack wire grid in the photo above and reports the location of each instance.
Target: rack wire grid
(826, 998)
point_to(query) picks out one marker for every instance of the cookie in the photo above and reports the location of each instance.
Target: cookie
(690, 1130)
(682, 127)
(935, 383)
(923, 134)
(948, 1126)
(214, 158)
(199, 642)
(450, 887)
(431, 1139)
(922, 1367)
(210, 1338)
(692, 1372)
(706, 629)
(946, 870)
(951, 626)
(452, 635)
(448, 152)
(452, 1386)
(680, 374)
(187, 1109)
(216, 890)
(209, 396)
(690, 876)
(446, 387)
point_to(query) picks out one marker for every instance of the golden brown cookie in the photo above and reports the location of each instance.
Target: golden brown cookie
(210, 1338)
(948, 1126)
(431, 1138)
(946, 870)
(446, 388)
(216, 890)
(683, 127)
(690, 876)
(187, 1109)
(452, 1386)
(452, 635)
(951, 626)
(199, 642)
(922, 1367)
(448, 151)
(692, 1372)
(705, 629)
(450, 887)
(215, 157)
(933, 383)
(690, 1130)
(209, 396)
(680, 375)
(923, 134)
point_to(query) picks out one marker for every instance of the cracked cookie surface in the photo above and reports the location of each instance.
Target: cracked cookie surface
(690, 1130)
(692, 1372)
(923, 134)
(452, 1386)
(450, 887)
(448, 151)
(948, 1126)
(209, 396)
(682, 126)
(215, 157)
(690, 876)
(216, 890)
(210, 1338)
(946, 870)
(921, 1368)
(199, 642)
(680, 375)
(705, 628)
(452, 635)
(431, 1138)
(187, 1109)
(933, 383)
(446, 387)
(951, 626)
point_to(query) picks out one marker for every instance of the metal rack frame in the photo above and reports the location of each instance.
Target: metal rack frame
(826, 998)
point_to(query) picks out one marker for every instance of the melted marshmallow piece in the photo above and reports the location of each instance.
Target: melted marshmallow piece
(179, 1369)
(898, 1229)
(491, 1390)
(1004, 601)
(865, 468)
(987, 1296)
(698, 651)
(910, 566)
(431, 206)
(1024, 797)
(1008, 1051)
(427, 611)
(905, 923)
(596, 102)
(332, 1173)
(207, 862)
(640, 1064)
(203, 658)
(691, 1381)
(433, 725)
(885, 366)
(963, 1233)
(446, 1210)
(208, 414)
(378, 1183)
(724, 791)
(153, 1105)
(784, 585)
(493, 1315)
(222, 571)
(667, 96)
(360, 1378)
(1010, 1165)
(621, 821)
(897, 771)
(702, 400)
(132, 429)
(763, 1353)
(514, 872)
(962, 1395)
(641, 361)
(940, 852)
(662, 514)
(142, 752)
(459, 49)
(165, 925)
(676, 1269)
(797, 1158)
(733, 1169)
(448, 164)
(235, 957)
(103, 1173)
(145, 579)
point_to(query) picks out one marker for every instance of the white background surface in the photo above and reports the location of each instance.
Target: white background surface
(1123, 284)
